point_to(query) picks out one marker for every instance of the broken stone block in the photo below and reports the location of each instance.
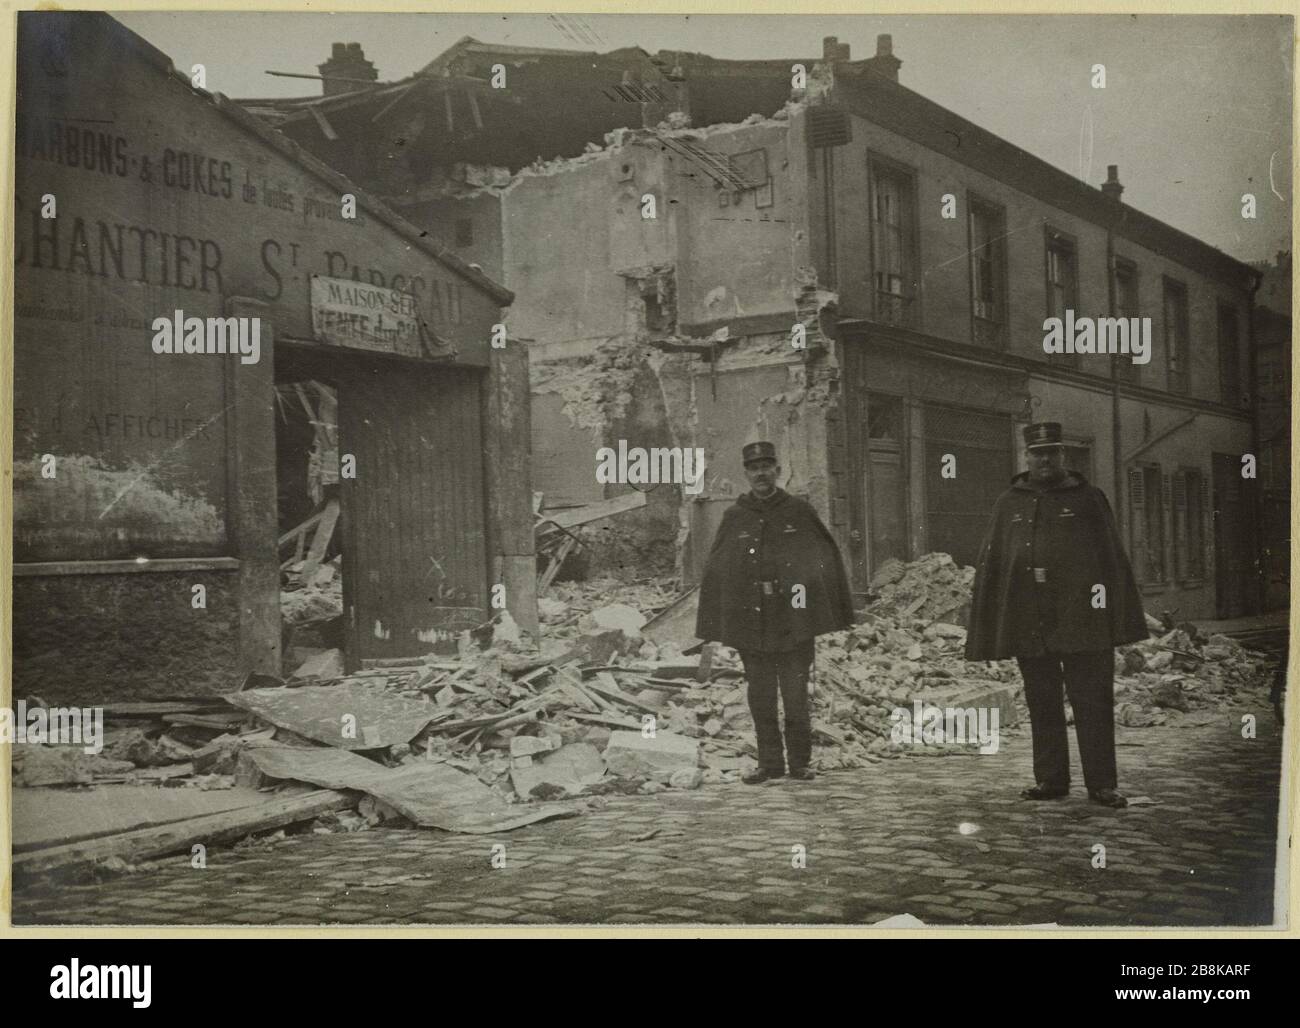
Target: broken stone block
(976, 694)
(1170, 695)
(627, 619)
(1160, 659)
(326, 664)
(571, 769)
(686, 778)
(62, 765)
(218, 757)
(529, 745)
(632, 755)
(445, 696)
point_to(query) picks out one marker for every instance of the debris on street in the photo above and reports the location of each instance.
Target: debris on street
(616, 697)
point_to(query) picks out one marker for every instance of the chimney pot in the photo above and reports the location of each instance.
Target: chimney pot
(1111, 187)
(834, 50)
(347, 61)
(884, 64)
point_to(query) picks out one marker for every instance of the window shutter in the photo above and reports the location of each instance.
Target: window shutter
(1137, 522)
(1206, 527)
(1168, 524)
(1182, 529)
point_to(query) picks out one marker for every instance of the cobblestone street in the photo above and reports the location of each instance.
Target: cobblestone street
(877, 842)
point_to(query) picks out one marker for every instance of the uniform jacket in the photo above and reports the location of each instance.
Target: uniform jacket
(1069, 531)
(780, 540)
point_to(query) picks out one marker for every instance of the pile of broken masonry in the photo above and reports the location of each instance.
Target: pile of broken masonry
(523, 723)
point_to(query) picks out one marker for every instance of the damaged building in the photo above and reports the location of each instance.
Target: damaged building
(707, 252)
(163, 500)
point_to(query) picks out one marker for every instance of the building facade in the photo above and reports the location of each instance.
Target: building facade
(146, 528)
(863, 277)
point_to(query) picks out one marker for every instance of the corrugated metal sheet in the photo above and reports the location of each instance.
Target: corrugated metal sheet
(414, 558)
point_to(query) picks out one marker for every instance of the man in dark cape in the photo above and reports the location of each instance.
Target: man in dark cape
(1054, 589)
(774, 581)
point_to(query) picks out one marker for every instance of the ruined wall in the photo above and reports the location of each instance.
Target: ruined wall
(469, 226)
(744, 253)
(606, 293)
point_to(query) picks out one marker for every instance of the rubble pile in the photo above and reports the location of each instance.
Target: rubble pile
(597, 708)
(1182, 676)
(317, 601)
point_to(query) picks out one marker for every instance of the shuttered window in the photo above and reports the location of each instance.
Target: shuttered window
(1177, 356)
(988, 261)
(1127, 305)
(1146, 494)
(1062, 274)
(1188, 524)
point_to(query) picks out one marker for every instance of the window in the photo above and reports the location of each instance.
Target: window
(464, 232)
(1189, 532)
(893, 244)
(1176, 342)
(1062, 282)
(1127, 306)
(1147, 523)
(1229, 356)
(988, 272)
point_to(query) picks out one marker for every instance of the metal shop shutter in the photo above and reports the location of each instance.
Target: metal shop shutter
(957, 510)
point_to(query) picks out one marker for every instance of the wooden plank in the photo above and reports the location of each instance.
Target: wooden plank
(676, 622)
(177, 837)
(320, 542)
(322, 123)
(216, 705)
(606, 719)
(619, 697)
(218, 721)
(576, 516)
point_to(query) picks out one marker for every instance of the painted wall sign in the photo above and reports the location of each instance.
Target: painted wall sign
(365, 317)
(164, 203)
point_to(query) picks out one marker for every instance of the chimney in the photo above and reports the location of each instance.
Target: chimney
(834, 50)
(884, 64)
(1111, 186)
(347, 61)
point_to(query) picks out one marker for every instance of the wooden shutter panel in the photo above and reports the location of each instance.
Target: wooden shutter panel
(1182, 529)
(1137, 521)
(1207, 527)
(1166, 523)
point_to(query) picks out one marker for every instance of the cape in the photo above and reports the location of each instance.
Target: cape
(1070, 530)
(781, 537)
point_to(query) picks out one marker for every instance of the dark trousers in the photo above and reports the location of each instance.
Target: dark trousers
(1089, 679)
(785, 673)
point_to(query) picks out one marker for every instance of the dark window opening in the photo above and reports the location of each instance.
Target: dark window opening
(988, 271)
(1176, 336)
(1127, 305)
(1229, 356)
(1062, 283)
